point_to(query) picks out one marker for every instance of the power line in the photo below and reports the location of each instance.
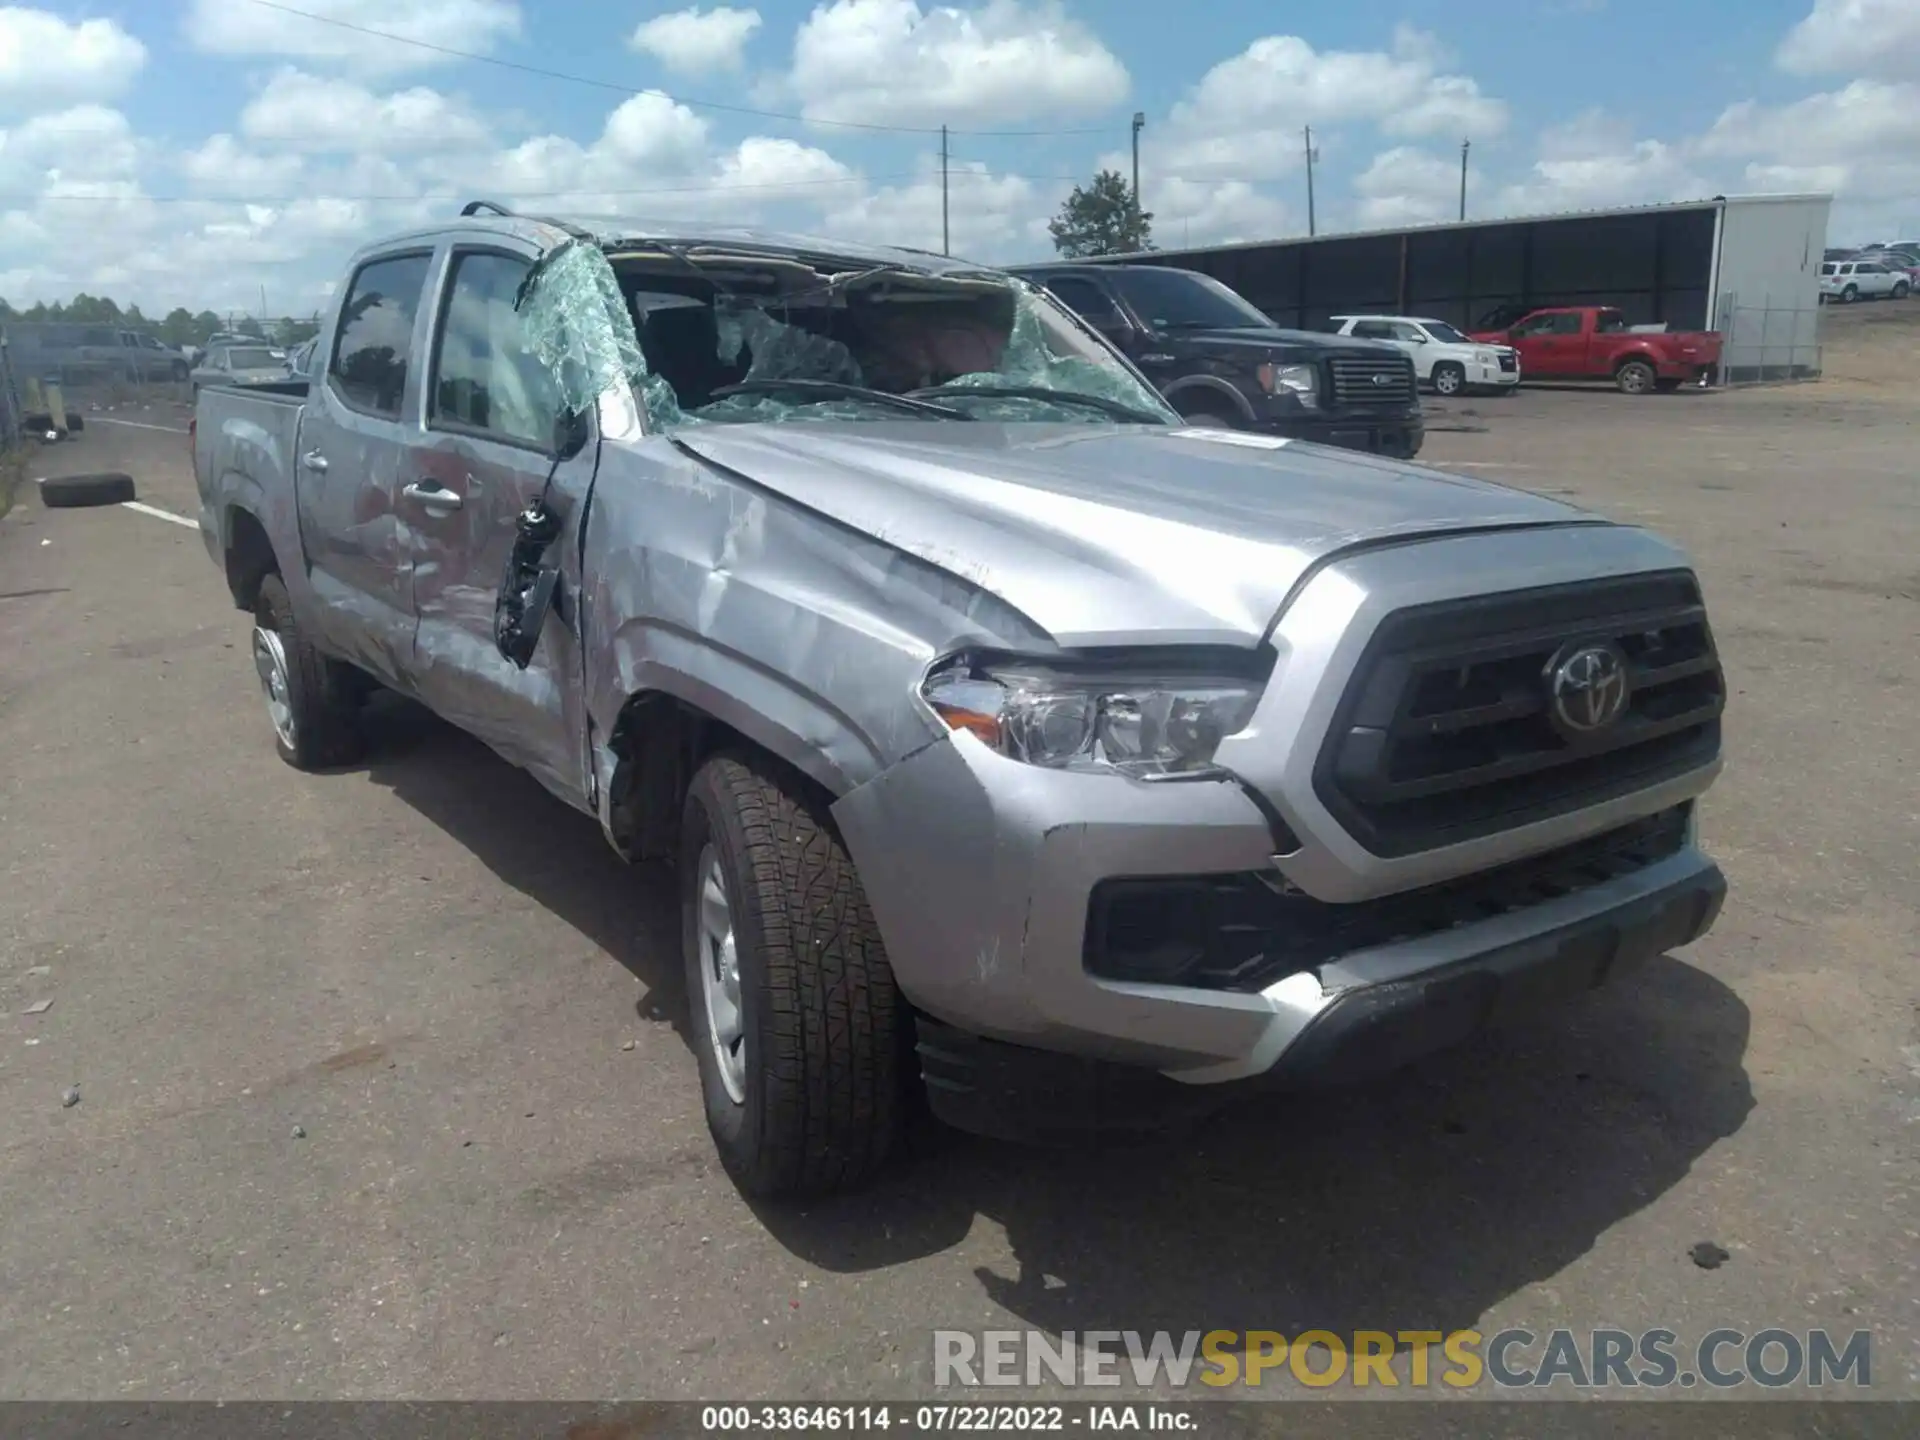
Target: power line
(283, 200)
(279, 201)
(548, 74)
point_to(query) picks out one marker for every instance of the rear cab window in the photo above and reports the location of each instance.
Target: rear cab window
(373, 347)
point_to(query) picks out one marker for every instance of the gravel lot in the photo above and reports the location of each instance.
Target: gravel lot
(383, 1091)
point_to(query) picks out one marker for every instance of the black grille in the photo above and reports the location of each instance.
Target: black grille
(1236, 932)
(1509, 363)
(1372, 382)
(1445, 734)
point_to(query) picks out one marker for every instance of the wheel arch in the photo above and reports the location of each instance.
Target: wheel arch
(1187, 396)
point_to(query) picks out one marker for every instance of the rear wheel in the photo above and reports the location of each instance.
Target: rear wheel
(799, 1030)
(1635, 377)
(1850, 294)
(1449, 378)
(310, 698)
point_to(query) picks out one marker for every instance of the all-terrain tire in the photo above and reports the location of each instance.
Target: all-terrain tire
(1635, 377)
(827, 1036)
(319, 691)
(71, 492)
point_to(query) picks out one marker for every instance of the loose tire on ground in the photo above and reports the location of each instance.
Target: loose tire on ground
(823, 1053)
(316, 724)
(1449, 378)
(71, 492)
(1635, 377)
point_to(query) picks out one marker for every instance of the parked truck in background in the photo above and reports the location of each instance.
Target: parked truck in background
(1220, 361)
(1595, 342)
(1013, 740)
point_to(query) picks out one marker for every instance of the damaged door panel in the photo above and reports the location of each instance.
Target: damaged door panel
(354, 435)
(1007, 735)
(487, 453)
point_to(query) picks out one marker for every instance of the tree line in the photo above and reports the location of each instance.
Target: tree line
(179, 327)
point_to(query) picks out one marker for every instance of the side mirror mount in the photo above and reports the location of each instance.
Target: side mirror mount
(571, 431)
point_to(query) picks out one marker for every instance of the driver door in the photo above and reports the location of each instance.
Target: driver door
(484, 455)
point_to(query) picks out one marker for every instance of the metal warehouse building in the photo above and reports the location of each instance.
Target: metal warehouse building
(1745, 265)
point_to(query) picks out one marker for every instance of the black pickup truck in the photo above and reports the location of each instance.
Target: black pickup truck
(1218, 360)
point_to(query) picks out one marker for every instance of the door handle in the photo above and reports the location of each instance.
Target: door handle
(314, 461)
(433, 496)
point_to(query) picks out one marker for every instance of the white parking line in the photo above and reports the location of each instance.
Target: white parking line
(160, 514)
(137, 425)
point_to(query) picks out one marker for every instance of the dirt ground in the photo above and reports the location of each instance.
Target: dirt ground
(383, 1091)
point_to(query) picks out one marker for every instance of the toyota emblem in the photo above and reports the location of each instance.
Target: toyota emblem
(1587, 689)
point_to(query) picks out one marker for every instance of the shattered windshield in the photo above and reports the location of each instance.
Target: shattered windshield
(731, 338)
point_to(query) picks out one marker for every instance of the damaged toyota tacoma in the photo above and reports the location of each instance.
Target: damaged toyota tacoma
(1016, 745)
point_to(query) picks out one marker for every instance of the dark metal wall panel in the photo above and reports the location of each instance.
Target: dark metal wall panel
(1654, 266)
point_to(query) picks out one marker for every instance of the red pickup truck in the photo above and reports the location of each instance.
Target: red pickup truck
(1591, 342)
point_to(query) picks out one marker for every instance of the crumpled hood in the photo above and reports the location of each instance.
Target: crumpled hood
(1113, 535)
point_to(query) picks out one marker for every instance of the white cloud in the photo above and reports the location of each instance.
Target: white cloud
(1594, 161)
(1005, 62)
(223, 166)
(1870, 38)
(696, 41)
(240, 27)
(990, 216)
(47, 62)
(1866, 122)
(1405, 186)
(301, 112)
(1244, 119)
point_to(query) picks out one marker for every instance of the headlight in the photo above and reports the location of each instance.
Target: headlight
(1139, 724)
(1486, 357)
(1300, 381)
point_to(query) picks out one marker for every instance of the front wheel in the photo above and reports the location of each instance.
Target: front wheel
(309, 697)
(1900, 289)
(1635, 377)
(1449, 378)
(798, 1027)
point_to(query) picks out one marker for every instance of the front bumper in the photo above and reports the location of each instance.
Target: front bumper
(1368, 1030)
(1396, 436)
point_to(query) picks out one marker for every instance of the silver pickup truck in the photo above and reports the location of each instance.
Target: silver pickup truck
(1017, 746)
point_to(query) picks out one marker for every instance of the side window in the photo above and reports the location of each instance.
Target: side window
(1372, 330)
(369, 369)
(483, 376)
(1403, 331)
(1563, 324)
(1087, 300)
(1534, 325)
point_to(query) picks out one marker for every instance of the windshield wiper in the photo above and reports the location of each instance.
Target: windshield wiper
(1118, 409)
(836, 390)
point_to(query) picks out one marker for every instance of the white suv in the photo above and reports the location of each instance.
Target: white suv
(1442, 356)
(1850, 280)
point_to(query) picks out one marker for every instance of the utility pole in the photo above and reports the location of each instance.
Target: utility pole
(1139, 124)
(946, 237)
(1312, 155)
(1465, 146)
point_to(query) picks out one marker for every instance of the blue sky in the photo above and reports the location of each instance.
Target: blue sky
(196, 151)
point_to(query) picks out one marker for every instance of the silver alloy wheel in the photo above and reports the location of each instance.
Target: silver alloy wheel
(1447, 381)
(270, 660)
(720, 977)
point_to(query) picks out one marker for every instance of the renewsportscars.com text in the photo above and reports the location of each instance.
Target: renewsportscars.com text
(1461, 1359)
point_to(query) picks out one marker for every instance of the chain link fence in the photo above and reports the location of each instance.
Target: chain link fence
(1765, 341)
